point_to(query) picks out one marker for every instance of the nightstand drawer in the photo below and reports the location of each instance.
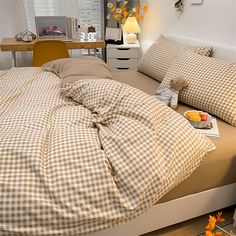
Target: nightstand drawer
(114, 68)
(123, 62)
(123, 52)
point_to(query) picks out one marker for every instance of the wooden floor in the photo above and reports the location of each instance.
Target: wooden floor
(196, 226)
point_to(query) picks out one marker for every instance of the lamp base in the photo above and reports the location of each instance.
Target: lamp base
(131, 38)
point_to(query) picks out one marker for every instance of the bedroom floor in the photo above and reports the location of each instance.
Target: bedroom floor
(196, 226)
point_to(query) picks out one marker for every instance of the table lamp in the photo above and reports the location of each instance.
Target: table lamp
(131, 27)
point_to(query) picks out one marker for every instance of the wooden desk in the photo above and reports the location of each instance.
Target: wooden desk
(12, 45)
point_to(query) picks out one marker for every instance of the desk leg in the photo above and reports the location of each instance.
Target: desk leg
(13, 55)
(89, 52)
(95, 52)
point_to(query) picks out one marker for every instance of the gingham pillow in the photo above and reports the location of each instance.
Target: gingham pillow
(158, 58)
(211, 84)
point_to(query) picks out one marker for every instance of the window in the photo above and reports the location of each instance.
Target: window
(88, 12)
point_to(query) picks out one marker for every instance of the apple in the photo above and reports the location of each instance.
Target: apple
(203, 117)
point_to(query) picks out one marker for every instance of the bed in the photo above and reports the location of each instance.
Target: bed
(40, 168)
(211, 187)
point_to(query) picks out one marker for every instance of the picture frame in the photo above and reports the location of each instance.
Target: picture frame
(51, 27)
(114, 35)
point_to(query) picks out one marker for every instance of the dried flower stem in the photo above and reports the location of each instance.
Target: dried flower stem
(223, 230)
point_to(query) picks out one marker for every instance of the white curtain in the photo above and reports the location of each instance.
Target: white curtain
(12, 21)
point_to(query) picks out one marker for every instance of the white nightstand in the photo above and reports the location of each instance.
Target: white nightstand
(123, 57)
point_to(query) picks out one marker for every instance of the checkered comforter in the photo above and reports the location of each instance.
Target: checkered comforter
(69, 167)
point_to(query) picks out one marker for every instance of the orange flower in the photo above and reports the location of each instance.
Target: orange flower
(145, 9)
(116, 16)
(212, 220)
(217, 233)
(209, 227)
(219, 217)
(123, 8)
(125, 13)
(208, 233)
(113, 8)
(211, 223)
(138, 6)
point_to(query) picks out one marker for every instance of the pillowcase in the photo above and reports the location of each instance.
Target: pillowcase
(57, 66)
(211, 84)
(158, 58)
(73, 69)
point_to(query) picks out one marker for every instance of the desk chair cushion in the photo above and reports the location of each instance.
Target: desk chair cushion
(48, 50)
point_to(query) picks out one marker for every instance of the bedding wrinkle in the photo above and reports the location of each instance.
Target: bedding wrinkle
(9, 92)
(101, 128)
(2, 72)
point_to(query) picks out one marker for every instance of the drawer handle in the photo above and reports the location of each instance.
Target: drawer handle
(123, 59)
(124, 49)
(122, 68)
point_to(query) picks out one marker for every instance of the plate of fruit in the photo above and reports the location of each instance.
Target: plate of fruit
(198, 119)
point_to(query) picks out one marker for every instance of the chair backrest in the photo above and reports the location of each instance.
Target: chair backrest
(48, 50)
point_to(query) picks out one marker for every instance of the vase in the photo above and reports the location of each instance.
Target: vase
(123, 35)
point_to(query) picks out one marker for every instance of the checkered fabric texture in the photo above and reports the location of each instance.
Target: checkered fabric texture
(73, 167)
(211, 84)
(159, 57)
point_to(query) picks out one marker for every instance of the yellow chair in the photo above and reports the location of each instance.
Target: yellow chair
(48, 50)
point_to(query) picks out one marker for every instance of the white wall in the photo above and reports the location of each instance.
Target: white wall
(12, 21)
(213, 21)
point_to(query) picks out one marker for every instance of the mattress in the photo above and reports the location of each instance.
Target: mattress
(219, 166)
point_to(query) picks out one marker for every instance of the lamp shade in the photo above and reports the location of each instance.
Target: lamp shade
(131, 25)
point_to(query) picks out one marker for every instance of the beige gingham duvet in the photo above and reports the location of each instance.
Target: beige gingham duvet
(72, 167)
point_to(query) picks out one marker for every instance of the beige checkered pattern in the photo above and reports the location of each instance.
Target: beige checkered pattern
(159, 57)
(69, 168)
(212, 84)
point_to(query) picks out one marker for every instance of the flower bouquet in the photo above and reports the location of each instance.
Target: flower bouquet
(120, 12)
(213, 228)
